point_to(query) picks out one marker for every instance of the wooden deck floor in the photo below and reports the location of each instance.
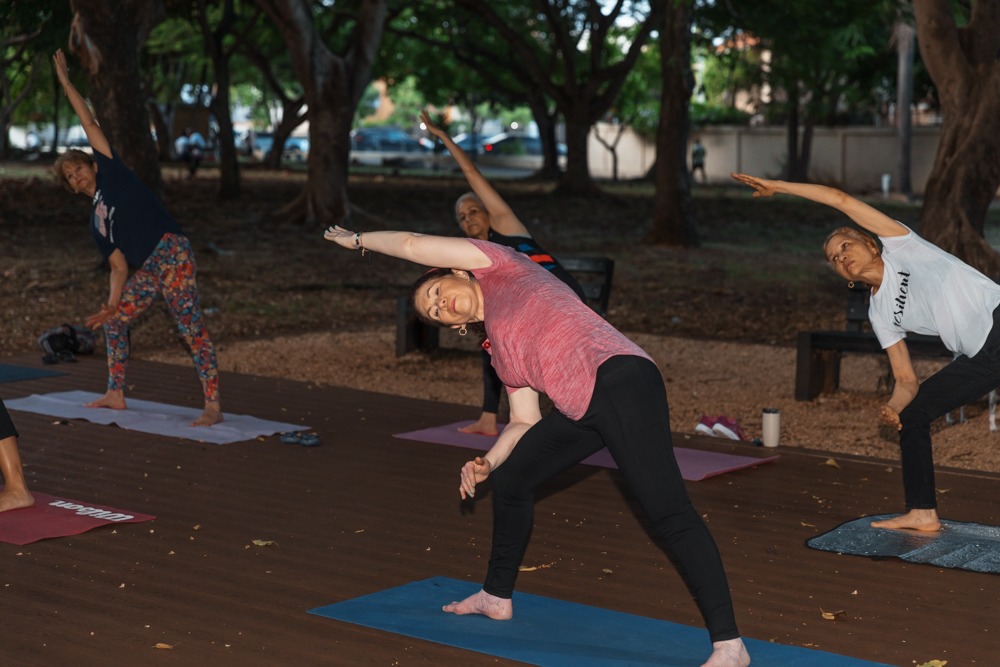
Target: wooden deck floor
(366, 511)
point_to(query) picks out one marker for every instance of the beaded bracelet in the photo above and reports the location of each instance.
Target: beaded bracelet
(359, 243)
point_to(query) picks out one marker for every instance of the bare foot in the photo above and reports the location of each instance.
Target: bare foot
(729, 653)
(485, 425)
(211, 415)
(113, 398)
(926, 520)
(14, 499)
(499, 609)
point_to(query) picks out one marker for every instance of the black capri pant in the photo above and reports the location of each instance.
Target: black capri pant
(628, 414)
(6, 423)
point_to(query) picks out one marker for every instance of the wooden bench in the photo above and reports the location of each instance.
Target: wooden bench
(593, 273)
(818, 353)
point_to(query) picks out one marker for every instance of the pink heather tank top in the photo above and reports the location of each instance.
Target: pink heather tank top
(540, 334)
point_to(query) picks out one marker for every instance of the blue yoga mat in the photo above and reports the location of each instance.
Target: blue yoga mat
(12, 373)
(554, 633)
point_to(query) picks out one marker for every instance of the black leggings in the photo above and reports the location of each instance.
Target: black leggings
(6, 424)
(959, 383)
(491, 385)
(628, 414)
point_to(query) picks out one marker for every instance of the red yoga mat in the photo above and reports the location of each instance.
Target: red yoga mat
(695, 464)
(52, 516)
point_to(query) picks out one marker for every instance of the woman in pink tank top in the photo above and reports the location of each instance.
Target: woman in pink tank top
(606, 391)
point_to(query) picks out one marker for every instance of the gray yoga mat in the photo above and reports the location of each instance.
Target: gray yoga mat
(958, 545)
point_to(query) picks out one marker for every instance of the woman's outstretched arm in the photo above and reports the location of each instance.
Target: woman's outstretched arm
(435, 251)
(869, 218)
(95, 135)
(502, 218)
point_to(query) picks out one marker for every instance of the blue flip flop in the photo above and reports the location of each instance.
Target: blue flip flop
(309, 440)
(299, 438)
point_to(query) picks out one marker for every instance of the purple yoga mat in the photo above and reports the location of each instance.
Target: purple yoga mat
(695, 464)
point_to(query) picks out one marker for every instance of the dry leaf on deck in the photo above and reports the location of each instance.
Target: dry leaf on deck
(265, 543)
(162, 645)
(934, 663)
(533, 568)
(833, 615)
(831, 462)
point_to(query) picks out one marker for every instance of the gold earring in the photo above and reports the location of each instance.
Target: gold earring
(462, 330)
(850, 284)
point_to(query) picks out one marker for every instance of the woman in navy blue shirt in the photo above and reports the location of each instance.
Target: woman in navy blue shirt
(132, 228)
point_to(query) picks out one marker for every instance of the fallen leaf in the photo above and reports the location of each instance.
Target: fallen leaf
(532, 568)
(265, 543)
(161, 645)
(934, 663)
(807, 525)
(607, 571)
(832, 463)
(833, 615)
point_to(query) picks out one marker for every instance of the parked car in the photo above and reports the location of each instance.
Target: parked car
(465, 142)
(506, 143)
(386, 145)
(516, 150)
(296, 148)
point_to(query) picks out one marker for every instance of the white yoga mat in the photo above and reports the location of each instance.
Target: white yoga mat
(151, 417)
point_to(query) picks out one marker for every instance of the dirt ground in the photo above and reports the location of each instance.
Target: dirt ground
(720, 319)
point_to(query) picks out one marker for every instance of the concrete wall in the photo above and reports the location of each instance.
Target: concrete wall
(853, 158)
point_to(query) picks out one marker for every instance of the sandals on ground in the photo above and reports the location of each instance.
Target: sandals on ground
(299, 438)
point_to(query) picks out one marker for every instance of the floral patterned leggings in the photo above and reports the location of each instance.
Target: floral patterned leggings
(169, 271)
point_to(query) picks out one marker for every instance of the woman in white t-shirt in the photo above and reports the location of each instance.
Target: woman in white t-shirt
(606, 392)
(918, 288)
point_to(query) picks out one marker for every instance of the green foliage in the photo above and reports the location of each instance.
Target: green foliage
(831, 58)
(407, 102)
(32, 32)
(717, 114)
(726, 72)
(638, 101)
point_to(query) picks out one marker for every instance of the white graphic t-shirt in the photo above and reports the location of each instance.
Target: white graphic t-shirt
(926, 290)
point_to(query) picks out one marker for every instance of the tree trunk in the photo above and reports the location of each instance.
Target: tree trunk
(792, 134)
(547, 135)
(805, 149)
(673, 217)
(964, 66)
(333, 86)
(118, 30)
(164, 145)
(905, 48)
(229, 166)
(576, 180)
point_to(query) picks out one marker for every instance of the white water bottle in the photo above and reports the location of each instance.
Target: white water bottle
(771, 426)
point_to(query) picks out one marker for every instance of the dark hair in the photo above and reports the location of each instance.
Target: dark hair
(420, 282)
(475, 327)
(72, 156)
